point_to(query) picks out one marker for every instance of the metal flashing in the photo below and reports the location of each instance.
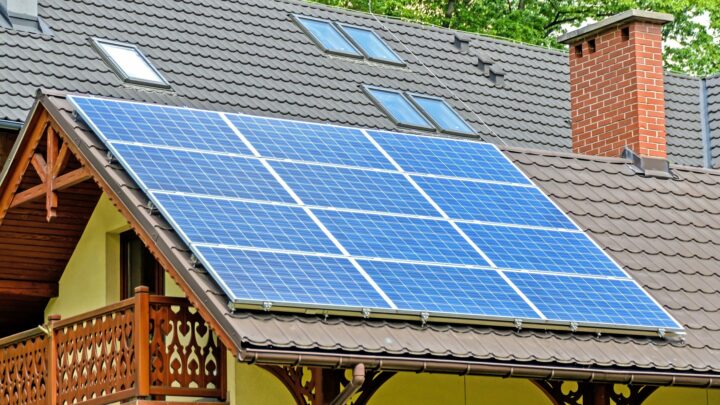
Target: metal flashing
(705, 125)
(648, 166)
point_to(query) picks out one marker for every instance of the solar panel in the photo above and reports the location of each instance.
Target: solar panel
(198, 172)
(591, 300)
(291, 278)
(513, 247)
(403, 238)
(448, 157)
(353, 188)
(448, 289)
(246, 224)
(160, 125)
(500, 203)
(307, 215)
(309, 142)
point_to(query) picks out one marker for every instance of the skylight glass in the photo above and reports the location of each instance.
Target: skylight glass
(442, 115)
(129, 63)
(398, 108)
(371, 44)
(327, 36)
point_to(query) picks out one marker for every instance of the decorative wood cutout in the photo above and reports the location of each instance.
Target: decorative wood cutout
(588, 393)
(24, 371)
(186, 357)
(49, 169)
(142, 347)
(314, 385)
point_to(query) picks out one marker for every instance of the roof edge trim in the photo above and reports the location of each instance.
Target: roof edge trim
(486, 368)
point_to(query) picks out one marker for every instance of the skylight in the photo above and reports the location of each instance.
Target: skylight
(371, 44)
(400, 110)
(419, 111)
(129, 63)
(443, 116)
(328, 37)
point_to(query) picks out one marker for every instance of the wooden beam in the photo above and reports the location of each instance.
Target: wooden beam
(62, 160)
(28, 288)
(51, 201)
(40, 166)
(12, 181)
(70, 179)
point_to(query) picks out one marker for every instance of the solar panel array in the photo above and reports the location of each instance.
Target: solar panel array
(308, 215)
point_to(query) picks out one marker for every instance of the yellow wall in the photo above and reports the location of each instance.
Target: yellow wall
(91, 280)
(91, 277)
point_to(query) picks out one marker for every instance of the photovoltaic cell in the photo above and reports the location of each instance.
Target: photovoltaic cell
(237, 223)
(447, 157)
(202, 173)
(291, 278)
(447, 289)
(538, 249)
(159, 125)
(591, 300)
(509, 204)
(309, 142)
(353, 188)
(403, 238)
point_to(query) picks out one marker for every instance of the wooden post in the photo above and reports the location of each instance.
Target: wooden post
(51, 385)
(142, 340)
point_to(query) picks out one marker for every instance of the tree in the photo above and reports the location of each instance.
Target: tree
(692, 40)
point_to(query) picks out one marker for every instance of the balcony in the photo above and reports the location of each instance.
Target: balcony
(143, 348)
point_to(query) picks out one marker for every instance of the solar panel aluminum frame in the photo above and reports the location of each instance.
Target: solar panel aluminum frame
(97, 45)
(424, 316)
(367, 90)
(399, 62)
(297, 17)
(411, 97)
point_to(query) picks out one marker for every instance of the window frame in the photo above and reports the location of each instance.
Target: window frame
(411, 97)
(298, 21)
(368, 91)
(120, 72)
(159, 272)
(398, 62)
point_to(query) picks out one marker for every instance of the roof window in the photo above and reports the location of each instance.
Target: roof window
(442, 115)
(371, 45)
(327, 36)
(348, 40)
(398, 108)
(419, 111)
(129, 63)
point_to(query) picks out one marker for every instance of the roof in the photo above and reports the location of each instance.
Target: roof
(249, 56)
(664, 232)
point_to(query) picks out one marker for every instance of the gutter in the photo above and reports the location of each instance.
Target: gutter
(485, 368)
(11, 125)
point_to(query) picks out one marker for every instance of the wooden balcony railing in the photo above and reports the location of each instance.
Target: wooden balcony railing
(143, 347)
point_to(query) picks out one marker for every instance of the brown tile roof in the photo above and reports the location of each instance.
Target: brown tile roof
(664, 232)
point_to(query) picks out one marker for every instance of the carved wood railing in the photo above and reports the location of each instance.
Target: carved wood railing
(23, 368)
(143, 347)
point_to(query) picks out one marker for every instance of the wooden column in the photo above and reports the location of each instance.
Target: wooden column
(51, 385)
(141, 337)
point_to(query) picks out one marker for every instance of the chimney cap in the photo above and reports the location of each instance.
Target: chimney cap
(618, 19)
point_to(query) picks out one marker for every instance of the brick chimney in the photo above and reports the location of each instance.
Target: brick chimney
(616, 85)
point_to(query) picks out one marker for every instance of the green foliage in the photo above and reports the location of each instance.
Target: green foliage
(691, 47)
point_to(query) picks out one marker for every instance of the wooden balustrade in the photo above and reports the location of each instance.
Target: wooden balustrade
(143, 347)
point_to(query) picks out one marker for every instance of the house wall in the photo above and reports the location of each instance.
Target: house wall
(91, 280)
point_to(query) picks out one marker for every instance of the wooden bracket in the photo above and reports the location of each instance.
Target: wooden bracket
(315, 385)
(48, 169)
(588, 393)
